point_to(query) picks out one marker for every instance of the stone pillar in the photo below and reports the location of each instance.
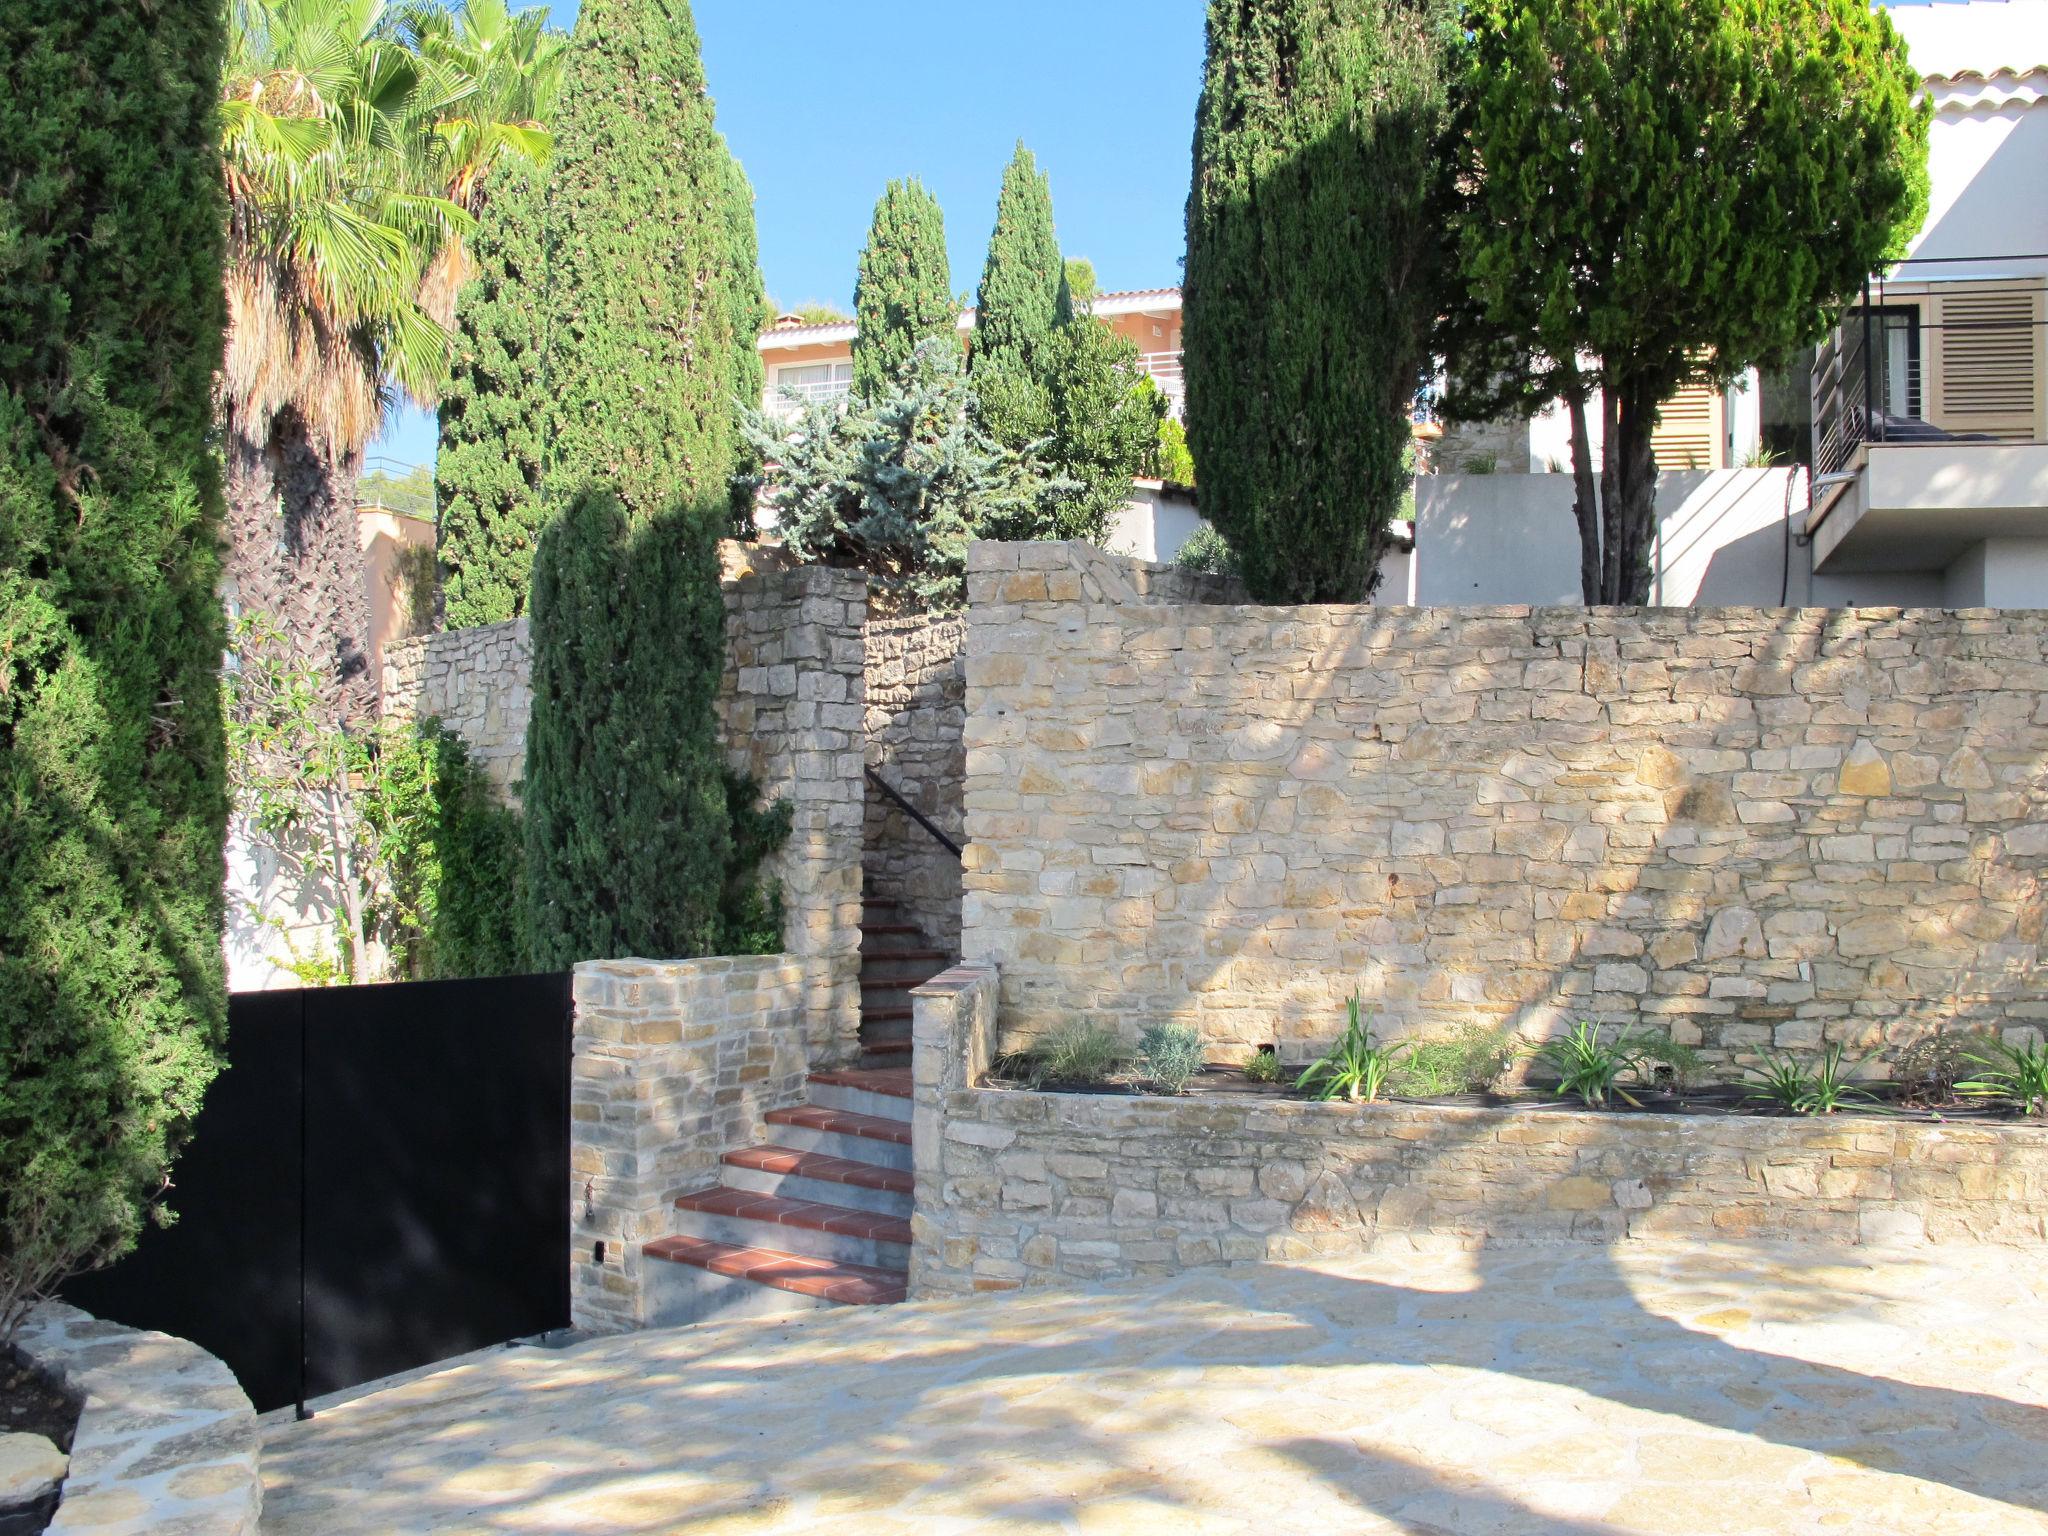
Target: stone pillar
(673, 1063)
(791, 708)
(952, 1042)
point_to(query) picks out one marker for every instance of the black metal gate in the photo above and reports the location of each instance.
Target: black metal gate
(379, 1180)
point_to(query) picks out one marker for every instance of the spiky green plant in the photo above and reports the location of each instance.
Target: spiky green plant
(1356, 1067)
(1588, 1067)
(1170, 1055)
(1816, 1085)
(2018, 1073)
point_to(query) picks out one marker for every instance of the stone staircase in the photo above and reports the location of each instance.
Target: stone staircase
(894, 957)
(818, 1215)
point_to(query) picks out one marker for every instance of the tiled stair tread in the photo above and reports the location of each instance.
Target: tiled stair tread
(887, 1047)
(904, 955)
(852, 1284)
(891, 929)
(894, 1081)
(823, 1167)
(893, 983)
(778, 1210)
(884, 1015)
(842, 1121)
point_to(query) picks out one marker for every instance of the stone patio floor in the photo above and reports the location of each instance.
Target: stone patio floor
(1569, 1391)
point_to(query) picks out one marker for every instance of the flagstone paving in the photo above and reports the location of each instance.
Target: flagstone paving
(1567, 1391)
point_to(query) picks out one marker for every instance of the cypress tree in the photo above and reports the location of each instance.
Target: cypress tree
(1312, 279)
(487, 472)
(904, 290)
(112, 800)
(748, 315)
(1017, 307)
(628, 832)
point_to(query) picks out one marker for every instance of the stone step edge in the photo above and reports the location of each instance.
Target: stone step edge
(843, 1122)
(823, 1167)
(827, 1279)
(864, 1080)
(782, 1211)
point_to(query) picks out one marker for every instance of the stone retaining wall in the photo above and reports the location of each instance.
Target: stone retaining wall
(790, 709)
(166, 1440)
(916, 716)
(1018, 1188)
(673, 1064)
(1752, 827)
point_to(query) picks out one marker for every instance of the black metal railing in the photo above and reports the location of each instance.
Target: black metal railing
(913, 812)
(1871, 374)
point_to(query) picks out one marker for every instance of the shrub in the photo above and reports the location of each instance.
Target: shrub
(1170, 1055)
(750, 916)
(112, 798)
(1469, 1060)
(1666, 1063)
(1589, 1067)
(1207, 551)
(1264, 1067)
(1171, 460)
(1928, 1070)
(1079, 1052)
(1354, 1068)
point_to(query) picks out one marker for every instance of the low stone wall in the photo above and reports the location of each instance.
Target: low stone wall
(166, 1440)
(916, 715)
(1751, 827)
(1018, 1188)
(673, 1064)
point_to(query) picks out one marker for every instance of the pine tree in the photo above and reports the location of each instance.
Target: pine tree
(113, 805)
(903, 293)
(1018, 306)
(628, 831)
(1311, 279)
(487, 473)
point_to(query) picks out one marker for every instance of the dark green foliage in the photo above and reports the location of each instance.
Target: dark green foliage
(1170, 460)
(1677, 191)
(488, 470)
(112, 799)
(904, 291)
(1104, 425)
(627, 836)
(453, 851)
(650, 285)
(1018, 306)
(748, 314)
(750, 915)
(1311, 282)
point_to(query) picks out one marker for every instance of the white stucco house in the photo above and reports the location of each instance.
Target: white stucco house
(1921, 426)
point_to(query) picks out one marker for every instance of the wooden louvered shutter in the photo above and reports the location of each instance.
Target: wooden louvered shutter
(1986, 349)
(1692, 431)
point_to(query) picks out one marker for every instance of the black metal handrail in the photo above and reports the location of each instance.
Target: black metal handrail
(912, 811)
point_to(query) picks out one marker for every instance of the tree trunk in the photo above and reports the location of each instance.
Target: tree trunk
(1585, 496)
(1633, 458)
(295, 553)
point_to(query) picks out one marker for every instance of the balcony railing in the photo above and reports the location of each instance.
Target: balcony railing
(1949, 353)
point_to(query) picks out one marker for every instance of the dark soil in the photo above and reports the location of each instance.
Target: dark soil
(30, 1403)
(1710, 1099)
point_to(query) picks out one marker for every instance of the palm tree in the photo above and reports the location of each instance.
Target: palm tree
(352, 159)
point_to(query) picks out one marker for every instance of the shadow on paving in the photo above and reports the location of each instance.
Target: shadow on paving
(1536, 1392)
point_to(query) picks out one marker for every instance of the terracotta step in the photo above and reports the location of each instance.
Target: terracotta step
(896, 1084)
(886, 1013)
(842, 1233)
(893, 983)
(905, 956)
(822, 1279)
(816, 1165)
(842, 1133)
(889, 1048)
(891, 930)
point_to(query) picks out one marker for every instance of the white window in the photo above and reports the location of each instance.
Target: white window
(814, 381)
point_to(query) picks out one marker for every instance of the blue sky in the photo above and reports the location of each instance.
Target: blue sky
(825, 100)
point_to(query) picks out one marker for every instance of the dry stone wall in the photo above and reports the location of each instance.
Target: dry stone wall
(791, 711)
(673, 1064)
(1018, 1188)
(476, 682)
(916, 717)
(1752, 827)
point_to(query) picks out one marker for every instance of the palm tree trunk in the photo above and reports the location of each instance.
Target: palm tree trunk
(295, 553)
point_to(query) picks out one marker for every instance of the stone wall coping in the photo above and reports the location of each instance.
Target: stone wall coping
(166, 1440)
(708, 965)
(954, 979)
